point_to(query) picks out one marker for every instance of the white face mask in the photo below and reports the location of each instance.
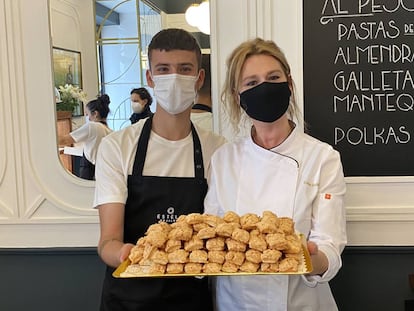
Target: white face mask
(136, 107)
(175, 93)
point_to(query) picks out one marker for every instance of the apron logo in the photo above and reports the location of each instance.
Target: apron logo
(169, 217)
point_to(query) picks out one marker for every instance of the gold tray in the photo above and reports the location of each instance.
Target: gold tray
(304, 267)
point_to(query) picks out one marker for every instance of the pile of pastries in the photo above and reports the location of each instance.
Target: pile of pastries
(208, 244)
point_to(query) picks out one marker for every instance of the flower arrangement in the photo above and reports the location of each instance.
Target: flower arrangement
(70, 97)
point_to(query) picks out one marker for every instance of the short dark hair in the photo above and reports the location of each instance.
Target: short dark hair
(143, 93)
(100, 104)
(205, 64)
(174, 39)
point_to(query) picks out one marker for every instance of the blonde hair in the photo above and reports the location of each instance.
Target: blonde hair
(235, 62)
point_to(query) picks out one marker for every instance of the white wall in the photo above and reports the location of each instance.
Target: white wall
(40, 203)
(43, 206)
(73, 28)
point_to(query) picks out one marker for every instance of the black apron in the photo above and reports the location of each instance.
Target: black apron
(150, 199)
(86, 168)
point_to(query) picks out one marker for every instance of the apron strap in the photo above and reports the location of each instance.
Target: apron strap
(202, 107)
(198, 155)
(143, 146)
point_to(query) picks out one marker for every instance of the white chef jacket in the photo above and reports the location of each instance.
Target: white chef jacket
(303, 179)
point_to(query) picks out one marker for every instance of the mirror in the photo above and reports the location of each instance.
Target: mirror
(104, 45)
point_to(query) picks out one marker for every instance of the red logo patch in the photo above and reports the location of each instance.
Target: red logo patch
(327, 196)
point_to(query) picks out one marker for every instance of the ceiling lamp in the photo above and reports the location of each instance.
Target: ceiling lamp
(198, 15)
(191, 15)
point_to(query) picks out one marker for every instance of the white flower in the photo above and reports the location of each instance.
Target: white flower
(70, 97)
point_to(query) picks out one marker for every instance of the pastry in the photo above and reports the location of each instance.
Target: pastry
(178, 256)
(136, 254)
(157, 238)
(288, 265)
(286, 225)
(276, 241)
(160, 226)
(212, 220)
(193, 244)
(198, 226)
(257, 242)
(175, 268)
(269, 267)
(235, 257)
(180, 218)
(212, 267)
(156, 268)
(298, 256)
(133, 269)
(254, 256)
(216, 256)
(231, 216)
(194, 218)
(269, 215)
(249, 267)
(229, 267)
(201, 243)
(148, 249)
(233, 245)
(181, 231)
(141, 241)
(159, 257)
(206, 233)
(267, 226)
(294, 245)
(249, 221)
(193, 268)
(224, 229)
(271, 256)
(199, 256)
(172, 245)
(215, 244)
(241, 235)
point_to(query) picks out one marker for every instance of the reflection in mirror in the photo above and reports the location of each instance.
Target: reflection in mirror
(124, 30)
(109, 38)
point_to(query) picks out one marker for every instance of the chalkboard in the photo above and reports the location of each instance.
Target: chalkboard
(359, 82)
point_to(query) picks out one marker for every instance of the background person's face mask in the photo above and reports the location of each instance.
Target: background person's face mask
(267, 101)
(174, 92)
(137, 107)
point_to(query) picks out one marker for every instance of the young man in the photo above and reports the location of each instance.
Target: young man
(155, 170)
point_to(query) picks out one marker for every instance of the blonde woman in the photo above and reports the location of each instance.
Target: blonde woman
(281, 169)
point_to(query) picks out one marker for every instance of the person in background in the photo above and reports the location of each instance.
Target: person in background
(152, 171)
(141, 101)
(280, 169)
(90, 134)
(201, 113)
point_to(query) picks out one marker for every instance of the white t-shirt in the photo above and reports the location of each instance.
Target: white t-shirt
(302, 178)
(203, 119)
(116, 157)
(91, 134)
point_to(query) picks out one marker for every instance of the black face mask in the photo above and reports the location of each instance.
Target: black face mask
(267, 101)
